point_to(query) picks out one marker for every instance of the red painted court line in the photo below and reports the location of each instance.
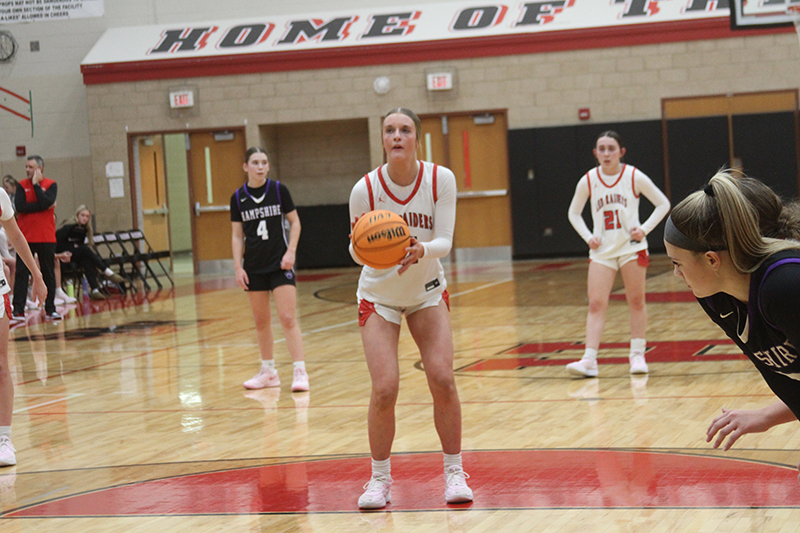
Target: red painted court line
(553, 266)
(514, 479)
(657, 352)
(659, 297)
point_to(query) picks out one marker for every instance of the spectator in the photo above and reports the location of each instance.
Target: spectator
(75, 237)
(10, 185)
(34, 202)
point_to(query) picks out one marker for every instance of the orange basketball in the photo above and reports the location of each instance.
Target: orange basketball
(380, 239)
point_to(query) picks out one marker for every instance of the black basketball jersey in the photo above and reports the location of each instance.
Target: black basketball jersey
(266, 231)
(767, 328)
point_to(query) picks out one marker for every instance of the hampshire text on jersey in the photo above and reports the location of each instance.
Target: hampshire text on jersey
(261, 212)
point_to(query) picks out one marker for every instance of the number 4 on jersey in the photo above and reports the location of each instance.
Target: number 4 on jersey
(262, 230)
(612, 219)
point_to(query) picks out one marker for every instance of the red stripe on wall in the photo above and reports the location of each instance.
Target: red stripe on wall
(467, 168)
(359, 56)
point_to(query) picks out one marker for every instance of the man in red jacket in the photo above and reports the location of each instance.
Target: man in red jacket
(35, 205)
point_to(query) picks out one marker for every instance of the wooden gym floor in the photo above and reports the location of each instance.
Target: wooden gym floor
(130, 416)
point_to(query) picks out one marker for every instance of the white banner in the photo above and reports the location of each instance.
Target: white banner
(12, 11)
(387, 25)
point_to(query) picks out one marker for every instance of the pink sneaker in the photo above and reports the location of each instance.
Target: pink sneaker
(300, 381)
(262, 380)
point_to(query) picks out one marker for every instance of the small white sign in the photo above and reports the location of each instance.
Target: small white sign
(181, 99)
(440, 81)
(39, 10)
(116, 188)
(115, 169)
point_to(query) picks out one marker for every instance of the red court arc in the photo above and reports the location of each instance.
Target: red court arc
(514, 479)
(544, 354)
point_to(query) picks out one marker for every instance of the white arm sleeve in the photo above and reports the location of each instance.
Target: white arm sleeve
(444, 216)
(6, 209)
(576, 209)
(359, 204)
(645, 186)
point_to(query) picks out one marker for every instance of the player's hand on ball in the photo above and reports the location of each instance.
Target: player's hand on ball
(415, 253)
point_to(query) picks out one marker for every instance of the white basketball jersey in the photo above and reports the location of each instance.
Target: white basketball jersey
(615, 209)
(416, 203)
(6, 213)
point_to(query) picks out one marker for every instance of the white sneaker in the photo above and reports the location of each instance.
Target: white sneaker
(638, 365)
(585, 368)
(31, 304)
(7, 457)
(378, 492)
(264, 379)
(300, 381)
(64, 297)
(455, 485)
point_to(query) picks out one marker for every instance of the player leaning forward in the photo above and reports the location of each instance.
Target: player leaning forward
(416, 288)
(617, 242)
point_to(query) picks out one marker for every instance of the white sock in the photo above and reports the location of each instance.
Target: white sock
(5, 431)
(382, 467)
(108, 272)
(300, 364)
(638, 346)
(590, 353)
(267, 364)
(452, 460)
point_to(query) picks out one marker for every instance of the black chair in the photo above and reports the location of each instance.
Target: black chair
(136, 246)
(113, 253)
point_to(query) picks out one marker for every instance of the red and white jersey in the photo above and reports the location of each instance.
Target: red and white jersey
(614, 204)
(428, 206)
(6, 213)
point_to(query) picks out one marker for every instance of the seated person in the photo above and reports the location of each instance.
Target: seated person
(75, 237)
(61, 296)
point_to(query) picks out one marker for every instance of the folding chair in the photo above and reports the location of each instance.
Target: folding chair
(138, 249)
(142, 244)
(117, 254)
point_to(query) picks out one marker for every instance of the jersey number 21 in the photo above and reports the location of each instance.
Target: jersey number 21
(612, 219)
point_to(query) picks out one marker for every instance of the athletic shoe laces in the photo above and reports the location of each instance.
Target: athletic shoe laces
(377, 484)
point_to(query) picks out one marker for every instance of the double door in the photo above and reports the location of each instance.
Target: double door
(474, 147)
(184, 184)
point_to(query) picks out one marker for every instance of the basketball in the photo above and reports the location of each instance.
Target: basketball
(380, 239)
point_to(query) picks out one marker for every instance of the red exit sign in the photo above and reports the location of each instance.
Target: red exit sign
(441, 81)
(179, 99)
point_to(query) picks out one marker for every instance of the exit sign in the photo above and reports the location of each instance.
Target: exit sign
(181, 99)
(441, 81)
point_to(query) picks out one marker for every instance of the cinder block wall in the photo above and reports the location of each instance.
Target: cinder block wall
(618, 84)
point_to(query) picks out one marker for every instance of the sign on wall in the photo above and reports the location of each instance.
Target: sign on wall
(12, 11)
(406, 24)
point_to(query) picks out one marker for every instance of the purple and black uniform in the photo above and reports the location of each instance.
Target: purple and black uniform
(767, 328)
(262, 212)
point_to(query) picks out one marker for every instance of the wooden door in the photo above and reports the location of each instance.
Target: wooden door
(215, 172)
(475, 148)
(154, 192)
